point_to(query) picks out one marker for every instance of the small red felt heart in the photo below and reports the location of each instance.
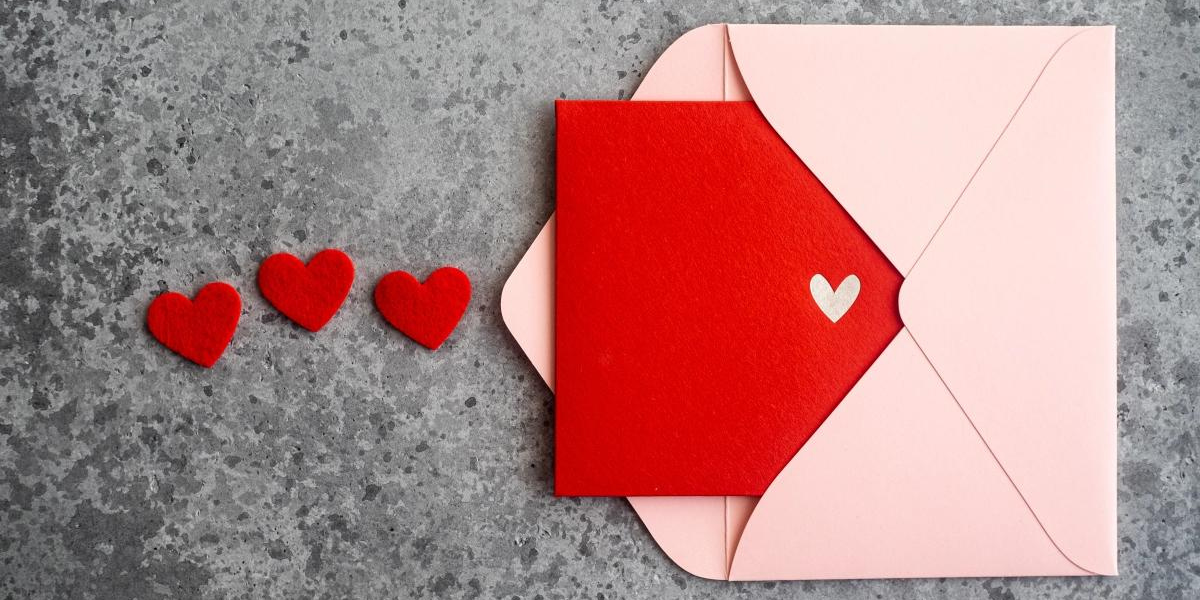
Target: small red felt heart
(426, 312)
(197, 329)
(307, 294)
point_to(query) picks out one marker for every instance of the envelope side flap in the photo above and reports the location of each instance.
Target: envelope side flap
(1014, 301)
(527, 303)
(893, 120)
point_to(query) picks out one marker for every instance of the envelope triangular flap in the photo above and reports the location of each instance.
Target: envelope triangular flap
(894, 120)
(1014, 301)
(527, 303)
(896, 483)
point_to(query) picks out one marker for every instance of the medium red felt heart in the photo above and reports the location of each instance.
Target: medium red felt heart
(426, 312)
(307, 294)
(197, 329)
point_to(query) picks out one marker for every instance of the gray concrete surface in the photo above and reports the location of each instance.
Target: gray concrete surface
(155, 145)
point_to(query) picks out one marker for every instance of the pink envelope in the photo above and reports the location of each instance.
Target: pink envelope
(982, 442)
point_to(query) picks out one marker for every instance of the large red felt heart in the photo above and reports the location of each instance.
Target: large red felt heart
(307, 294)
(197, 329)
(426, 312)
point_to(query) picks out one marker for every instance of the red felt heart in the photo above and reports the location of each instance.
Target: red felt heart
(197, 329)
(426, 312)
(307, 294)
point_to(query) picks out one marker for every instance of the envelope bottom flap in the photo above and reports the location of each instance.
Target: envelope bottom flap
(1014, 302)
(896, 483)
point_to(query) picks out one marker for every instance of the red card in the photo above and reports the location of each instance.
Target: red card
(695, 352)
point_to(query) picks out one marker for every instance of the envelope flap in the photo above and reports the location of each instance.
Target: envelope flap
(894, 120)
(896, 483)
(527, 303)
(1014, 301)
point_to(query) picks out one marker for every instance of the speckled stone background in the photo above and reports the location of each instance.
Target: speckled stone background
(155, 145)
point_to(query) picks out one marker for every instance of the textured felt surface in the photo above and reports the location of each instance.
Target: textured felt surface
(308, 294)
(692, 357)
(199, 328)
(425, 311)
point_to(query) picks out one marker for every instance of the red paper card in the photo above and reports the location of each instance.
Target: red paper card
(695, 352)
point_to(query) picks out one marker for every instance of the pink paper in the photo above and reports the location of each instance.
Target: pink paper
(896, 483)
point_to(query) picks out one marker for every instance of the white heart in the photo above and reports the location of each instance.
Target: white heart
(834, 304)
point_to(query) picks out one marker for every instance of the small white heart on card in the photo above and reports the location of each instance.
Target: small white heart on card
(834, 303)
